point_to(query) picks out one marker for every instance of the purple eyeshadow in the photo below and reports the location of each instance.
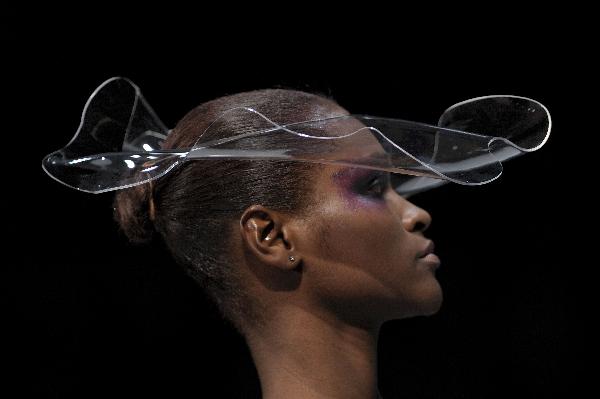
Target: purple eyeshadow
(351, 181)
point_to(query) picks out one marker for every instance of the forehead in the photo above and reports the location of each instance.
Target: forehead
(362, 145)
(358, 147)
(356, 140)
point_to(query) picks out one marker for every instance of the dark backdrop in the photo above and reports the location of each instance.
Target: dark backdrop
(89, 316)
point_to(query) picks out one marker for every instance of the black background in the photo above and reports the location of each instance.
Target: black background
(89, 316)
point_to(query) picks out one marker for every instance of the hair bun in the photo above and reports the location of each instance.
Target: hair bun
(134, 213)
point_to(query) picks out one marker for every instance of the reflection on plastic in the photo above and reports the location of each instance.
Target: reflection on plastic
(119, 142)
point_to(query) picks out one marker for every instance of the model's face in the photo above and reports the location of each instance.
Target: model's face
(362, 244)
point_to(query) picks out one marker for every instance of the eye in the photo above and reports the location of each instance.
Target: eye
(377, 186)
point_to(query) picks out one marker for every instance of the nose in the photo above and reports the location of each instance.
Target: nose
(414, 218)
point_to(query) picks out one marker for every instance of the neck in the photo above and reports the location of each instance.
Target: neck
(300, 354)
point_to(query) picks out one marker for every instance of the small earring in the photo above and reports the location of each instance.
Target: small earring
(291, 258)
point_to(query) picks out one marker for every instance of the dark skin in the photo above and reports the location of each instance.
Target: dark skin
(356, 265)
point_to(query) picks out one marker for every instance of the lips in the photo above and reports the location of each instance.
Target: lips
(427, 250)
(427, 256)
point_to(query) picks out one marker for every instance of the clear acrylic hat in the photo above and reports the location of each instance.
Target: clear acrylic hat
(119, 142)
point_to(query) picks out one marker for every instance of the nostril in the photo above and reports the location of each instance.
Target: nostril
(420, 226)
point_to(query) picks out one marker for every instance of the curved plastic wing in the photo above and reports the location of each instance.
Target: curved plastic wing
(118, 144)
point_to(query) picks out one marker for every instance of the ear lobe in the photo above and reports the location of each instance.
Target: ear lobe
(263, 234)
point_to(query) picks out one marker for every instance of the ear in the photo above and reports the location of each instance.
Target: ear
(267, 234)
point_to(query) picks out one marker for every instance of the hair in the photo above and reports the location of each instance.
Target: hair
(197, 204)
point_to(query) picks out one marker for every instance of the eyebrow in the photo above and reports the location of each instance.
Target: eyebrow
(356, 171)
(371, 155)
(375, 154)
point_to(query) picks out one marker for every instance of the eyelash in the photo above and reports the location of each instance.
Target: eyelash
(376, 182)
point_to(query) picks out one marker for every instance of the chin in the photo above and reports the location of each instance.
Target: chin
(432, 302)
(433, 306)
(427, 303)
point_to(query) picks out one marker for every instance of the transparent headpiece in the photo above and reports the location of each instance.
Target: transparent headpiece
(119, 142)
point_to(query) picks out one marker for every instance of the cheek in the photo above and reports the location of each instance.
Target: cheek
(362, 265)
(371, 238)
(357, 203)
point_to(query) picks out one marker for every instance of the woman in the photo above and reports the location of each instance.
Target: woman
(306, 259)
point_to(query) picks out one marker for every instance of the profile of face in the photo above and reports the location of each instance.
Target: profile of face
(366, 260)
(360, 246)
(308, 261)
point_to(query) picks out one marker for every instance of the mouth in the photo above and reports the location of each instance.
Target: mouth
(428, 256)
(427, 250)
